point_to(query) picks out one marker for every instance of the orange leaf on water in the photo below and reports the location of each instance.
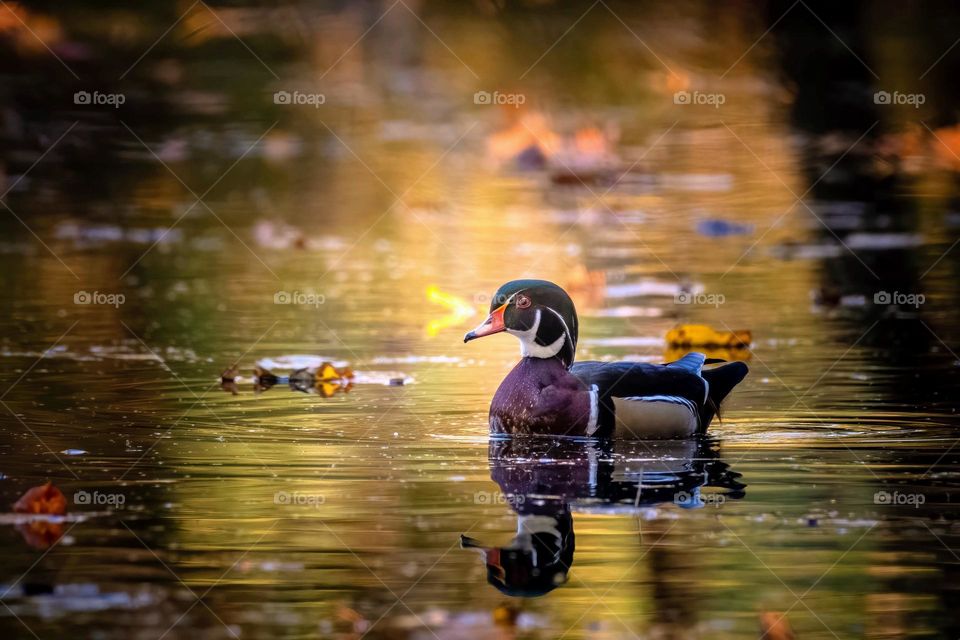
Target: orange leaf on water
(46, 499)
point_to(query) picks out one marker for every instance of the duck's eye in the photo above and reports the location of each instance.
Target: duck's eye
(523, 302)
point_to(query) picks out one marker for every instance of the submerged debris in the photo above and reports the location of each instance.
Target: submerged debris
(324, 380)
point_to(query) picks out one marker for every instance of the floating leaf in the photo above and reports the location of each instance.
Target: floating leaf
(701, 335)
(45, 499)
(327, 372)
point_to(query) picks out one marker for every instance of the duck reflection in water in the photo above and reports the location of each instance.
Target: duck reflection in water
(545, 480)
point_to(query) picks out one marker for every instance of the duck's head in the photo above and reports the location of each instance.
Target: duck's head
(539, 313)
(536, 561)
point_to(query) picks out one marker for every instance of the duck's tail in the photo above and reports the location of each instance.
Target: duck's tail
(722, 380)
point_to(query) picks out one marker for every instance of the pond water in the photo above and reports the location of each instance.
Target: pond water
(202, 223)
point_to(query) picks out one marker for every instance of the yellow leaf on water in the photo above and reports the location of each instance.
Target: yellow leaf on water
(327, 372)
(701, 335)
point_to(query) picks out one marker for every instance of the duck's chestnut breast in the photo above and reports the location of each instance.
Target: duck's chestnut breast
(540, 396)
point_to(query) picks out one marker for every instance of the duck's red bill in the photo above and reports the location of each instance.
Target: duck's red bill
(493, 324)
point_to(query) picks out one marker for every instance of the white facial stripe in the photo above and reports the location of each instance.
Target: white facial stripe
(510, 299)
(528, 342)
(566, 329)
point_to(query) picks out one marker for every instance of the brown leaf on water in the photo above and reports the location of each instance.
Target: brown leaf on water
(774, 626)
(45, 499)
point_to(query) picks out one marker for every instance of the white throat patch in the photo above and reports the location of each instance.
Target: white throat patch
(528, 342)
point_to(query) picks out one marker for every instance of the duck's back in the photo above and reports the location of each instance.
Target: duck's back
(638, 399)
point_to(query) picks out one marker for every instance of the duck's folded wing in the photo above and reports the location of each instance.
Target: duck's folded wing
(649, 394)
(632, 379)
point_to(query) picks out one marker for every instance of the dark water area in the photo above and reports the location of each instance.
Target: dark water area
(192, 187)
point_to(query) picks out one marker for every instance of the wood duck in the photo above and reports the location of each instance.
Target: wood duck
(546, 393)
